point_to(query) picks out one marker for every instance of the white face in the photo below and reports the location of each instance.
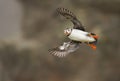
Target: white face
(67, 31)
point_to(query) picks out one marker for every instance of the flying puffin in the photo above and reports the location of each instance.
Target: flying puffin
(77, 35)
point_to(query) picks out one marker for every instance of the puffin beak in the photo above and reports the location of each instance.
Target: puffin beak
(66, 33)
(92, 46)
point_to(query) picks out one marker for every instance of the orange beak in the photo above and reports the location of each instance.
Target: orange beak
(66, 33)
(92, 46)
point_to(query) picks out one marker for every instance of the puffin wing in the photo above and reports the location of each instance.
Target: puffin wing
(69, 15)
(65, 49)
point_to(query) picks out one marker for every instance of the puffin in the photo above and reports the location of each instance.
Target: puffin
(76, 35)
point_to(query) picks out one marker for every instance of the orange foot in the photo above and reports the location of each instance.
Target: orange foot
(92, 46)
(96, 37)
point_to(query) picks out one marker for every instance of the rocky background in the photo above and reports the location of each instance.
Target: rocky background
(28, 28)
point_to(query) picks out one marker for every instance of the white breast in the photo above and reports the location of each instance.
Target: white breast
(81, 36)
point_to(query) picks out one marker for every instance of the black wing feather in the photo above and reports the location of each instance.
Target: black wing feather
(69, 15)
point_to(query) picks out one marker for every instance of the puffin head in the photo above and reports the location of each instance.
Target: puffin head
(67, 31)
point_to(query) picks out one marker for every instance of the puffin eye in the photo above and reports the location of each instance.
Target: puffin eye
(69, 29)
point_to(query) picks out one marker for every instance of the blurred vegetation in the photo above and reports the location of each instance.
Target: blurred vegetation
(26, 58)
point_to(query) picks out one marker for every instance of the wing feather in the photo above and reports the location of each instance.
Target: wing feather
(69, 15)
(68, 48)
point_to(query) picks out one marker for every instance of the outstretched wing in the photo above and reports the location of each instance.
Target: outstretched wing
(69, 15)
(65, 49)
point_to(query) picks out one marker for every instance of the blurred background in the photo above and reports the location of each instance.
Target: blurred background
(28, 29)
